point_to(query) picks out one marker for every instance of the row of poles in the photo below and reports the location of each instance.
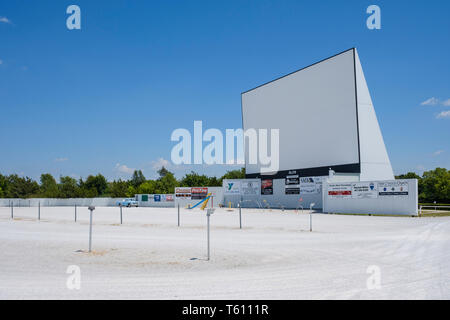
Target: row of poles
(11, 204)
(209, 213)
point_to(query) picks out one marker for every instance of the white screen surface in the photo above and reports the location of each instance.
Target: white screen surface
(315, 111)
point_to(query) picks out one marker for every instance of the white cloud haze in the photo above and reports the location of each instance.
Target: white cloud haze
(435, 101)
(5, 20)
(123, 168)
(443, 114)
(430, 102)
(161, 162)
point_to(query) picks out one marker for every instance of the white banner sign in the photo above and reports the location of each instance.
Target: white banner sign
(393, 188)
(183, 192)
(364, 190)
(340, 190)
(250, 187)
(310, 185)
(233, 187)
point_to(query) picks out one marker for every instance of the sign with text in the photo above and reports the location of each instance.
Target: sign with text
(199, 193)
(250, 187)
(340, 190)
(310, 185)
(183, 192)
(266, 187)
(232, 187)
(393, 188)
(364, 190)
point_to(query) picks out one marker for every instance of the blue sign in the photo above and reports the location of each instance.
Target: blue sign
(157, 198)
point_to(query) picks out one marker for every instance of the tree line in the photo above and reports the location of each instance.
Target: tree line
(434, 185)
(13, 186)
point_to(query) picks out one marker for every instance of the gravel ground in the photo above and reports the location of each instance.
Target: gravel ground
(274, 256)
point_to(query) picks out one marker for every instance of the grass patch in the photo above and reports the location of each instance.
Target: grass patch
(436, 214)
(434, 204)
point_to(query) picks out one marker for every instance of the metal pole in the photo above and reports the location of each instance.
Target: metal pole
(310, 221)
(90, 233)
(310, 215)
(208, 235)
(120, 214)
(12, 210)
(75, 213)
(240, 216)
(178, 214)
(39, 210)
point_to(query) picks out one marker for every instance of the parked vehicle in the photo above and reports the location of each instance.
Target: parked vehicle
(129, 202)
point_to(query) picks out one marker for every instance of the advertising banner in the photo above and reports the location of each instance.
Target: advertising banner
(364, 190)
(251, 187)
(157, 198)
(267, 187)
(340, 190)
(290, 190)
(169, 197)
(310, 185)
(393, 188)
(292, 183)
(292, 180)
(232, 187)
(199, 193)
(183, 192)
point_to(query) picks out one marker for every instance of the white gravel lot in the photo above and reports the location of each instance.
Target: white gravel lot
(274, 256)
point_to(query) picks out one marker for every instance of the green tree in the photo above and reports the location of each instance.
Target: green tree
(167, 184)
(409, 175)
(3, 185)
(49, 187)
(131, 192)
(214, 182)
(19, 187)
(436, 186)
(193, 179)
(148, 187)
(95, 185)
(163, 172)
(137, 178)
(233, 174)
(118, 189)
(68, 187)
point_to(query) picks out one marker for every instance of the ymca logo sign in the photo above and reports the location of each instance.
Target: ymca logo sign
(232, 187)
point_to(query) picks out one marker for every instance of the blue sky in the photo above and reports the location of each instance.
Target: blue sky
(106, 98)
